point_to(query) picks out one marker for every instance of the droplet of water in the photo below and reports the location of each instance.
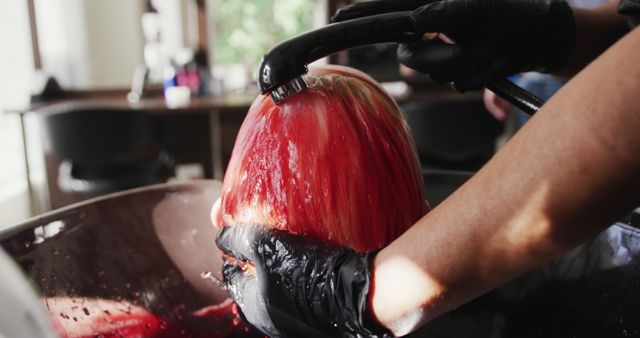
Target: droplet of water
(209, 275)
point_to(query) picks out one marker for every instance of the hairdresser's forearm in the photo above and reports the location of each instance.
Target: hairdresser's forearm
(564, 177)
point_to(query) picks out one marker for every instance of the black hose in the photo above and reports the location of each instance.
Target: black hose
(517, 96)
(289, 59)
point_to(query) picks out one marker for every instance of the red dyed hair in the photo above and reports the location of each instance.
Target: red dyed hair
(335, 162)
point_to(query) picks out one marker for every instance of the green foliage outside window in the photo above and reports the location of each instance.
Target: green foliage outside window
(246, 29)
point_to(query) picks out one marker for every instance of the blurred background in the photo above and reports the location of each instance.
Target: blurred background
(99, 96)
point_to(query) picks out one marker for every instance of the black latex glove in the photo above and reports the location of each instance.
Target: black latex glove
(300, 288)
(367, 8)
(493, 38)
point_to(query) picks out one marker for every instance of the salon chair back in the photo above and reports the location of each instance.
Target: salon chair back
(105, 149)
(452, 134)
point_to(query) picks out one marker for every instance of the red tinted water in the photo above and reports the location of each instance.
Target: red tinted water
(100, 318)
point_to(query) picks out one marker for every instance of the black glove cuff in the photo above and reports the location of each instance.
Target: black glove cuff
(368, 319)
(354, 276)
(559, 40)
(334, 294)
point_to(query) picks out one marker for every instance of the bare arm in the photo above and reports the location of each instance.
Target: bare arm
(596, 30)
(570, 172)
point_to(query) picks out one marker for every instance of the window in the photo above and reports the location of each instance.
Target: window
(244, 30)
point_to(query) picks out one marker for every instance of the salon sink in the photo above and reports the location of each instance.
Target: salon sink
(131, 256)
(148, 247)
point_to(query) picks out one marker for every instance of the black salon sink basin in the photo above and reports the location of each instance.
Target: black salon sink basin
(128, 264)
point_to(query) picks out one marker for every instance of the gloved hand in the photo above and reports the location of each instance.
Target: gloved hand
(299, 288)
(493, 38)
(367, 8)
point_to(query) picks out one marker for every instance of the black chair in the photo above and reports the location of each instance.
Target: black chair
(105, 149)
(454, 134)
